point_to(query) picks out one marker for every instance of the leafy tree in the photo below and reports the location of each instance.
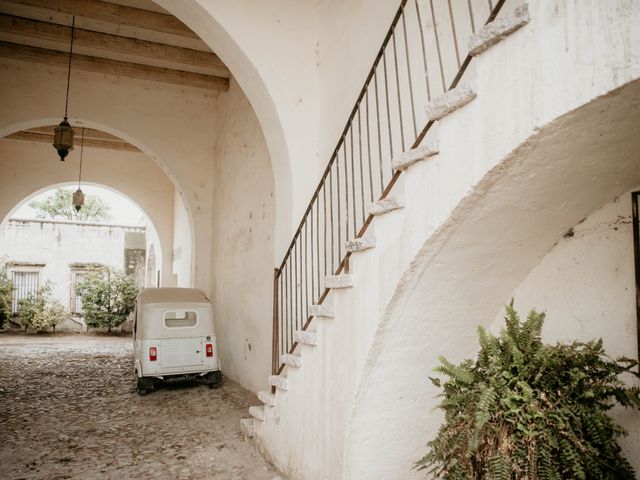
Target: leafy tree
(6, 292)
(58, 206)
(40, 311)
(526, 410)
(108, 296)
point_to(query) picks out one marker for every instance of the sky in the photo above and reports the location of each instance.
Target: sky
(123, 211)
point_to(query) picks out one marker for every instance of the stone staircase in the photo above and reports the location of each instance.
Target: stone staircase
(389, 215)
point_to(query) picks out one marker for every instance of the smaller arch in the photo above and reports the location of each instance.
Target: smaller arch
(34, 194)
(39, 170)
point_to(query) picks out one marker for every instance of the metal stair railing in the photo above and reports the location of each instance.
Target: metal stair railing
(421, 58)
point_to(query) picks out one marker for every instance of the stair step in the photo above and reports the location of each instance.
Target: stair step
(359, 244)
(324, 310)
(338, 281)
(246, 427)
(278, 381)
(257, 412)
(404, 160)
(306, 338)
(385, 205)
(291, 360)
(450, 102)
(497, 30)
(268, 398)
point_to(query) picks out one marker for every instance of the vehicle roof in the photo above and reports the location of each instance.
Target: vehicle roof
(171, 295)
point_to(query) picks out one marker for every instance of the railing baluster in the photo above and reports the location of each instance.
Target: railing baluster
(313, 254)
(409, 76)
(453, 32)
(369, 150)
(424, 50)
(395, 62)
(435, 32)
(375, 77)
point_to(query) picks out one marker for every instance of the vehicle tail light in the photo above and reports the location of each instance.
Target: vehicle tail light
(153, 354)
(209, 349)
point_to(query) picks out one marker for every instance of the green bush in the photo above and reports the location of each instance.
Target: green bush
(108, 296)
(6, 292)
(40, 311)
(526, 410)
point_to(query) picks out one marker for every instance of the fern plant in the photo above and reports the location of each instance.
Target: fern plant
(525, 410)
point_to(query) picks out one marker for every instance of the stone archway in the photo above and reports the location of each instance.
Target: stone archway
(119, 171)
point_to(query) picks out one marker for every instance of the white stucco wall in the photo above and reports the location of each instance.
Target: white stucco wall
(27, 168)
(586, 285)
(59, 245)
(182, 244)
(243, 242)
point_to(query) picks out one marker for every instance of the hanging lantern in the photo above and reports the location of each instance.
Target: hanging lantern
(63, 138)
(78, 199)
(63, 133)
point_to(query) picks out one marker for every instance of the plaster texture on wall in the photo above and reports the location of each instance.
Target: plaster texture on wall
(586, 285)
(243, 244)
(172, 125)
(271, 49)
(59, 245)
(182, 244)
(27, 168)
(550, 138)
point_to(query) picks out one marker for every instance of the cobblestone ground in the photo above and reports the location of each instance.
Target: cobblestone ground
(68, 409)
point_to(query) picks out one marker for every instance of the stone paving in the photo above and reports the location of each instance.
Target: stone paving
(69, 410)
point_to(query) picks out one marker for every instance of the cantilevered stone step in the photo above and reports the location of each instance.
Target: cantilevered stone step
(323, 310)
(278, 381)
(306, 338)
(338, 281)
(359, 244)
(500, 28)
(291, 360)
(450, 102)
(385, 205)
(268, 398)
(246, 427)
(257, 412)
(404, 160)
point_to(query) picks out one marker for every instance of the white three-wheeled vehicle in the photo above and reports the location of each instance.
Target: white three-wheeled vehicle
(174, 338)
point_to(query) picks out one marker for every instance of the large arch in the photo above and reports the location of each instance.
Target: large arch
(468, 269)
(30, 168)
(279, 77)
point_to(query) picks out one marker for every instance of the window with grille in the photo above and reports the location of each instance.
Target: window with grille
(25, 283)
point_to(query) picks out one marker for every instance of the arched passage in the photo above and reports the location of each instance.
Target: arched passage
(469, 268)
(30, 168)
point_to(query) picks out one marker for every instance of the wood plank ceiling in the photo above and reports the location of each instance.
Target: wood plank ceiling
(129, 38)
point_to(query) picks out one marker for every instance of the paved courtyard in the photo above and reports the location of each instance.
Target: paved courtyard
(69, 409)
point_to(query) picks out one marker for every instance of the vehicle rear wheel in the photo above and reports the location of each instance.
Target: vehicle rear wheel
(214, 379)
(144, 385)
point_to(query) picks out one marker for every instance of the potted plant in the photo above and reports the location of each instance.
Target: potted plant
(529, 410)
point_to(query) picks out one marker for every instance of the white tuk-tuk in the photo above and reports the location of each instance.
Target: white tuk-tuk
(174, 337)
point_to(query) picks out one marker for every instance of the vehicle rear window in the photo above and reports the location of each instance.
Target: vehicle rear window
(180, 318)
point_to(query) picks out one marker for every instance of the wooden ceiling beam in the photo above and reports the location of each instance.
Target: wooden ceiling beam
(88, 133)
(114, 13)
(31, 136)
(115, 44)
(113, 67)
